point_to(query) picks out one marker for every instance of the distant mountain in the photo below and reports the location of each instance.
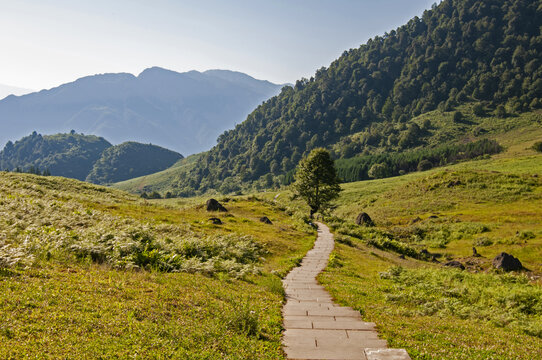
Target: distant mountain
(181, 111)
(69, 155)
(129, 160)
(85, 157)
(6, 90)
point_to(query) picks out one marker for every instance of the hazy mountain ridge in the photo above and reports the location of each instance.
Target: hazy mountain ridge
(6, 90)
(182, 111)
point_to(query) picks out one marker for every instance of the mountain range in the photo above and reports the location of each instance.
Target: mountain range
(180, 111)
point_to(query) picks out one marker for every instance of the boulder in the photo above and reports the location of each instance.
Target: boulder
(266, 220)
(215, 221)
(455, 264)
(214, 205)
(364, 219)
(507, 262)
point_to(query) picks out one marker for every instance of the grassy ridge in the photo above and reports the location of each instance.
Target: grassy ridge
(59, 303)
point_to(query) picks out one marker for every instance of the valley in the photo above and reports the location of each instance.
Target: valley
(420, 150)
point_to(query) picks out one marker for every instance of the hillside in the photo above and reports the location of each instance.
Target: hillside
(129, 160)
(163, 181)
(394, 272)
(84, 157)
(70, 155)
(483, 53)
(444, 142)
(101, 273)
(180, 111)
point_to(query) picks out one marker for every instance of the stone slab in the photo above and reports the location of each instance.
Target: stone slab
(386, 354)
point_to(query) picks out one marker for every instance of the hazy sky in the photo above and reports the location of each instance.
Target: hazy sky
(45, 43)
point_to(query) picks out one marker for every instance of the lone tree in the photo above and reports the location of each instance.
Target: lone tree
(316, 180)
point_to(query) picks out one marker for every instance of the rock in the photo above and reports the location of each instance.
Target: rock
(433, 217)
(454, 183)
(215, 221)
(415, 220)
(455, 264)
(364, 219)
(213, 205)
(266, 220)
(507, 262)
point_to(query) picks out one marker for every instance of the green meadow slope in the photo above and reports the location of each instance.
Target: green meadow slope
(91, 272)
(436, 312)
(162, 181)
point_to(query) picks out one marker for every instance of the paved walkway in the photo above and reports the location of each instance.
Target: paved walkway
(316, 327)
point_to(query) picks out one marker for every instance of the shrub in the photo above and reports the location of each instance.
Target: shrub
(424, 165)
(500, 112)
(378, 171)
(478, 110)
(458, 116)
(537, 146)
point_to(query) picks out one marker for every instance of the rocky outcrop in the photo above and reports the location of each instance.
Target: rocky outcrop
(507, 262)
(455, 264)
(364, 219)
(214, 205)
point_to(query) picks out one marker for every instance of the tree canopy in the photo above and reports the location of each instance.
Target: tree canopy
(316, 180)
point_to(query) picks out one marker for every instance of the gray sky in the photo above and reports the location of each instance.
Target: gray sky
(49, 42)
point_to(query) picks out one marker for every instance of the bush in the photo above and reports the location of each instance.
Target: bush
(500, 112)
(424, 165)
(537, 146)
(478, 110)
(379, 171)
(458, 116)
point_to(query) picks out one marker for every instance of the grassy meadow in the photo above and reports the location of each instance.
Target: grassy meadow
(435, 312)
(91, 272)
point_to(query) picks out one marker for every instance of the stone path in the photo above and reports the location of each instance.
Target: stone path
(316, 327)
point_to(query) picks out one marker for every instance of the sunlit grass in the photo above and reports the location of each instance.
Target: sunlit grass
(69, 288)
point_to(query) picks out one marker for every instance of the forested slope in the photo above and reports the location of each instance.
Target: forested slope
(129, 160)
(462, 51)
(70, 155)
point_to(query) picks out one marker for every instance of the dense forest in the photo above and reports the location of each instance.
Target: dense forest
(129, 160)
(485, 52)
(84, 157)
(70, 155)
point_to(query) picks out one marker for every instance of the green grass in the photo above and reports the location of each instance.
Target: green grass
(438, 313)
(432, 311)
(83, 274)
(161, 181)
